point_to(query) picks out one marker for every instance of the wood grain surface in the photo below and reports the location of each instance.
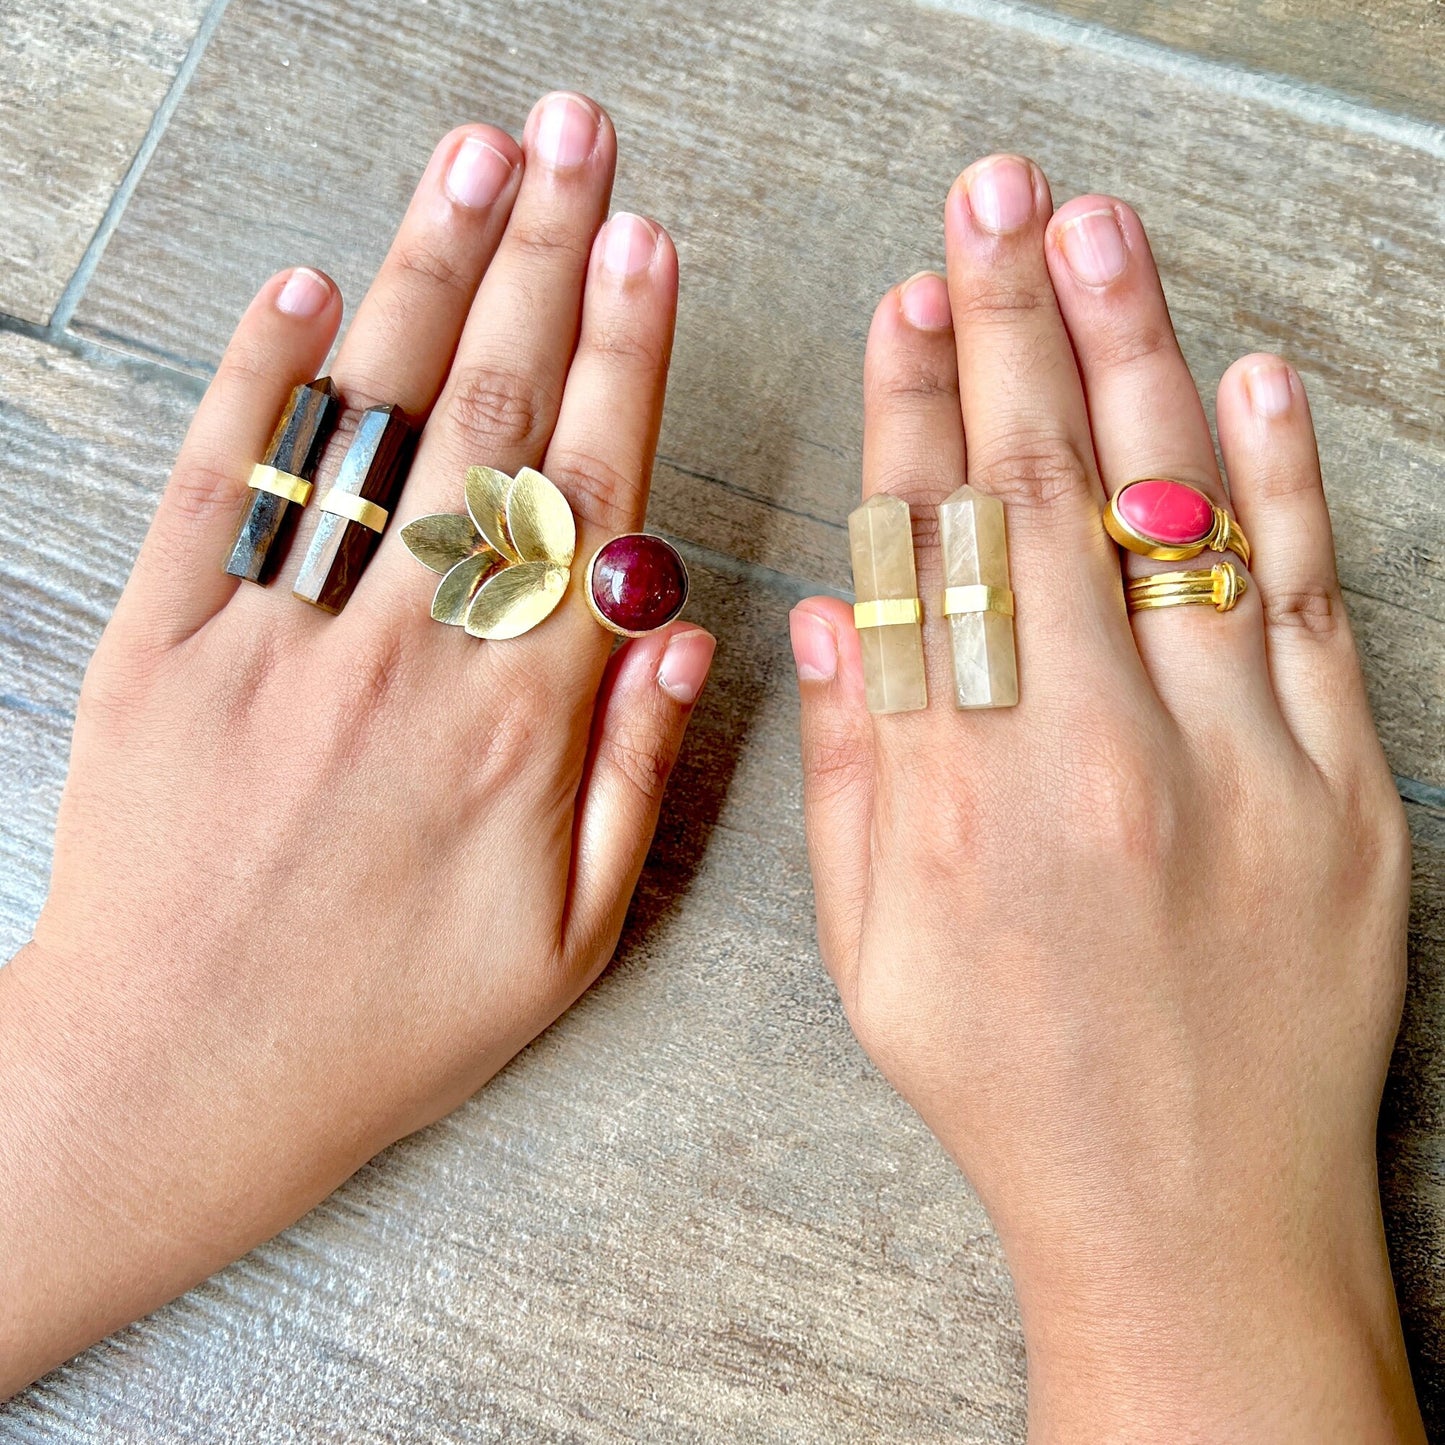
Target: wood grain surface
(692, 1211)
(800, 157)
(82, 80)
(1390, 53)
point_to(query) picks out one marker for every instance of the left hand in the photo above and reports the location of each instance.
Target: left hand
(318, 878)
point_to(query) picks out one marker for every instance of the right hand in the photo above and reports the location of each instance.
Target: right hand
(1135, 948)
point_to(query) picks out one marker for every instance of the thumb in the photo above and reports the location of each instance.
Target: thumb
(837, 776)
(643, 706)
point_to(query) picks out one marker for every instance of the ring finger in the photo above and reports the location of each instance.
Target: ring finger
(1147, 421)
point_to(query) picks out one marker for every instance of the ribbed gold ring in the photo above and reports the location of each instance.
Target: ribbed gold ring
(887, 612)
(282, 484)
(977, 598)
(1220, 587)
(355, 509)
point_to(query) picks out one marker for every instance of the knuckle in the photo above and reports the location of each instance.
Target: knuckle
(1315, 608)
(201, 490)
(1034, 469)
(1118, 807)
(1138, 341)
(550, 242)
(642, 763)
(836, 762)
(498, 405)
(429, 265)
(370, 675)
(597, 490)
(919, 483)
(901, 387)
(1002, 301)
(247, 365)
(626, 346)
(1284, 483)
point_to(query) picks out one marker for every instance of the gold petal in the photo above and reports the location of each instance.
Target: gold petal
(539, 521)
(487, 490)
(459, 586)
(441, 540)
(515, 599)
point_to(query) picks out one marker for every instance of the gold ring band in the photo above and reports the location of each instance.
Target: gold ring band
(1227, 537)
(355, 509)
(975, 597)
(1220, 587)
(279, 483)
(887, 612)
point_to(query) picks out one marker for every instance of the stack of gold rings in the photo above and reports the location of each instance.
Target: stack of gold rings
(1171, 521)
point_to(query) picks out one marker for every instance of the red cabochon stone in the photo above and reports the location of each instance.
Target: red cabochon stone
(639, 582)
(1167, 512)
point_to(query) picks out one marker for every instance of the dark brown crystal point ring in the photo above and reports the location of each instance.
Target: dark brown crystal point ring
(636, 583)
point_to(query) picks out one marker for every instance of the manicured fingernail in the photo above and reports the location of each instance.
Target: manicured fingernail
(1001, 193)
(684, 665)
(477, 173)
(566, 130)
(629, 244)
(925, 302)
(815, 646)
(1093, 246)
(304, 294)
(1270, 392)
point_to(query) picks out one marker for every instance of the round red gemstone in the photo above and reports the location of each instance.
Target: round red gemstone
(1166, 512)
(639, 582)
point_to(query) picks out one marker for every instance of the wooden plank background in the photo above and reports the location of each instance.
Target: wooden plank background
(692, 1211)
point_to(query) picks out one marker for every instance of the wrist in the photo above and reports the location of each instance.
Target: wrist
(1237, 1333)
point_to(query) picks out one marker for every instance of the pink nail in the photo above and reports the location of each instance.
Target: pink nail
(1001, 193)
(566, 130)
(1270, 392)
(1093, 246)
(925, 302)
(684, 665)
(305, 293)
(629, 244)
(477, 173)
(815, 646)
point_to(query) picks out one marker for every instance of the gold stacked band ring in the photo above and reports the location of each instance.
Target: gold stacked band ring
(1220, 587)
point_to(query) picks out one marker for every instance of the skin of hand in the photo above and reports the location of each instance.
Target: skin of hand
(318, 878)
(1135, 948)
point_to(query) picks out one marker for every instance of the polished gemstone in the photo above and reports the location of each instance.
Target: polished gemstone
(880, 535)
(1167, 512)
(974, 543)
(638, 583)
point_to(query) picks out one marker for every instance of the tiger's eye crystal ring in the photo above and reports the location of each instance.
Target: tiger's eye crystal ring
(1171, 521)
(1220, 587)
(507, 562)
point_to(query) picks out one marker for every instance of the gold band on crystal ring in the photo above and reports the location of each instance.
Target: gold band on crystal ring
(887, 612)
(279, 483)
(975, 597)
(1220, 587)
(356, 509)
